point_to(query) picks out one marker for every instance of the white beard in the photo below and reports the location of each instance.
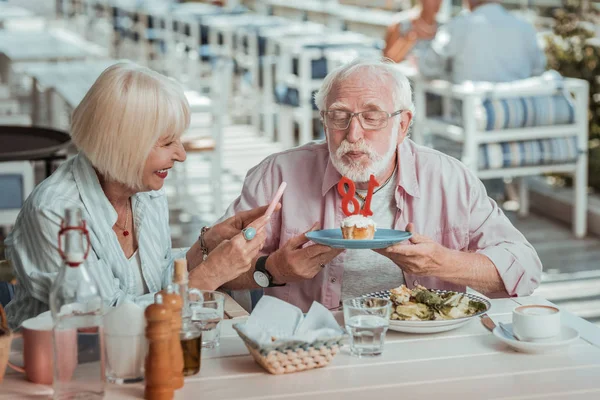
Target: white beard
(354, 170)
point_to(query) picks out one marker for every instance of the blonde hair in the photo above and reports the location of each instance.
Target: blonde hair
(123, 115)
(382, 69)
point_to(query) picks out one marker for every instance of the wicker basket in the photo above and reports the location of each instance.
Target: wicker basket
(5, 341)
(292, 356)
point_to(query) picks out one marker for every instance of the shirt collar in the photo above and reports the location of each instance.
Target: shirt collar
(407, 176)
(92, 195)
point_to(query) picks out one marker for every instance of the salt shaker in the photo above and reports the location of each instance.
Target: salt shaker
(173, 301)
(158, 361)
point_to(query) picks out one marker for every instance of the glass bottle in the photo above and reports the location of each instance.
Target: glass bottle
(77, 308)
(190, 336)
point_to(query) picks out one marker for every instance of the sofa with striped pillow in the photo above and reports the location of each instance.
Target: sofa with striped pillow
(496, 114)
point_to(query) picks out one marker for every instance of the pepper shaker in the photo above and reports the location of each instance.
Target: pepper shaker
(158, 360)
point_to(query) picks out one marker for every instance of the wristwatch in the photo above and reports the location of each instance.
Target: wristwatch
(262, 277)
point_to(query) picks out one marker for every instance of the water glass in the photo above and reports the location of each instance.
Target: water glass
(367, 321)
(125, 355)
(207, 312)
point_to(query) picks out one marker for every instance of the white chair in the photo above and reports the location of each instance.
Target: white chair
(211, 144)
(16, 183)
(302, 64)
(255, 53)
(513, 130)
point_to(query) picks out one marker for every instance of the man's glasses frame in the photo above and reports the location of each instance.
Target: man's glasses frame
(361, 119)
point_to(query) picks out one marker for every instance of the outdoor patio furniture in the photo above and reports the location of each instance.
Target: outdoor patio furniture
(513, 130)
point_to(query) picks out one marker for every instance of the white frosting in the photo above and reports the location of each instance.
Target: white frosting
(358, 221)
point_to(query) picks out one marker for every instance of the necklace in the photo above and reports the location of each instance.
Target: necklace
(124, 229)
(363, 198)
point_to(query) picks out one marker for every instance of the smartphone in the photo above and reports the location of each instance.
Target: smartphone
(276, 199)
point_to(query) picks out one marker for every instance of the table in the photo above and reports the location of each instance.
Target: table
(69, 80)
(32, 144)
(9, 11)
(467, 363)
(19, 47)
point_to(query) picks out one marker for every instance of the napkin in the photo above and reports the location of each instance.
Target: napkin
(275, 321)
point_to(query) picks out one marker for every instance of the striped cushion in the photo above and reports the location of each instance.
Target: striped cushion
(527, 153)
(522, 112)
(516, 154)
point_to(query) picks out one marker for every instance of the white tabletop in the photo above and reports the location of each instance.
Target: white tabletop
(71, 80)
(40, 46)
(467, 363)
(9, 11)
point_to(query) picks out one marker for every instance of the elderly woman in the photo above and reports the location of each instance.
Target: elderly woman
(127, 130)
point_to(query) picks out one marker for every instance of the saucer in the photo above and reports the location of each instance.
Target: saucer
(566, 336)
(383, 238)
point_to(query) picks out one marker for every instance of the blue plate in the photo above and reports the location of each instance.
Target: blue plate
(383, 238)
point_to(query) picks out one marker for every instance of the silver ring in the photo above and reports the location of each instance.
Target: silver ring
(249, 233)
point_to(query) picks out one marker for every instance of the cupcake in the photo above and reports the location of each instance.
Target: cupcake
(358, 227)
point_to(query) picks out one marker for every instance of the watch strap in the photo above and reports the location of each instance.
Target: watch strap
(261, 265)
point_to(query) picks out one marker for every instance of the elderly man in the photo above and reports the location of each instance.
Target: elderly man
(460, 237)
(487, 44)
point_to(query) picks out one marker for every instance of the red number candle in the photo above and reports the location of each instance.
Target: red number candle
(348, 196)
(366, 210)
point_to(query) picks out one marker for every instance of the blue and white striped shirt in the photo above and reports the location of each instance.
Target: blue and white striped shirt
(32, 244)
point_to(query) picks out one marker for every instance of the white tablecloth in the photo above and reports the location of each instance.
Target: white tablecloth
(467, 363)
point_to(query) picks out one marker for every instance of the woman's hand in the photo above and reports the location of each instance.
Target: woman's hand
(231, 257)
(232, 226)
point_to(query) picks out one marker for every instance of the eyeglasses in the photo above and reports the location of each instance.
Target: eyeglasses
(369, 120)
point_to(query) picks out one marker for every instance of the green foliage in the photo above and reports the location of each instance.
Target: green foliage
(574, 52)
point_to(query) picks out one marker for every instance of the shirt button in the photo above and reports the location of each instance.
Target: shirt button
(415, 283)
(332, 280)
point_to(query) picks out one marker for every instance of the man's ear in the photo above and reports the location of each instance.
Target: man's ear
(405, 119)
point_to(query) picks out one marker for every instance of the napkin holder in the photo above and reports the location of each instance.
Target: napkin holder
(288, 355)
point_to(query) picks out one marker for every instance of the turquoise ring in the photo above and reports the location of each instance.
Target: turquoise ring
(249, 233)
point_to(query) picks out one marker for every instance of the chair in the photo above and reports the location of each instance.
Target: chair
(254, 53)
(513, 130)
(16, 183)
(213, 143)
(302, 64)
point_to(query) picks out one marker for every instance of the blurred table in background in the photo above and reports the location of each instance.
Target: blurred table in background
(26, 143)
(69, 81)
(8, 11)
(19, 47)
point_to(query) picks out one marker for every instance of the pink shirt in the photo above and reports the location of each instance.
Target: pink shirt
(436, 192)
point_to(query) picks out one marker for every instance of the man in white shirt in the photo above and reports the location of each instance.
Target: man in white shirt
(486, 43)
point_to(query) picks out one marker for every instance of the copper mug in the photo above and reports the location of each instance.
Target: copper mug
(38, 352)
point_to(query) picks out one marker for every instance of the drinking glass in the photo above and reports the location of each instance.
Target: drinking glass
(207, 312)
(367, 320)
(125, 355)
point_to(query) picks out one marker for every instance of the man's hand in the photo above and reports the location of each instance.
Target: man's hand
(292, 263)
(233, 225)
(422, 256)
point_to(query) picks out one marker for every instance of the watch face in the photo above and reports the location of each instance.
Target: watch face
(261, 279)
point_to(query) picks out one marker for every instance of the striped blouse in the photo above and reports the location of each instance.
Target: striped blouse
(32, 244)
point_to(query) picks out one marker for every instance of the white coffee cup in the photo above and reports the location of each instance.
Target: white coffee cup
(535, 322)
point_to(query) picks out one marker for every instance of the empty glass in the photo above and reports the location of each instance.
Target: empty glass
(367, 320)
(207, 312)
